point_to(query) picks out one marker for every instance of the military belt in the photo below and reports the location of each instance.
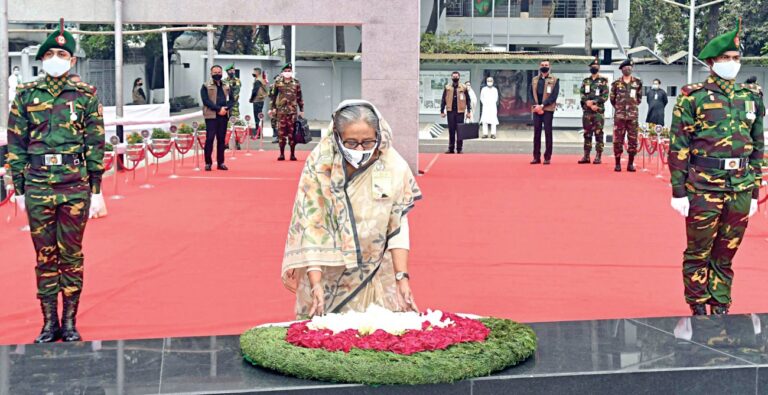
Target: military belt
(720, 163)
(37, 161)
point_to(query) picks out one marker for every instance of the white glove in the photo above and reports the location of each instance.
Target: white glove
(753, 207)
(97, 204)
(681, 205)
(20, 202)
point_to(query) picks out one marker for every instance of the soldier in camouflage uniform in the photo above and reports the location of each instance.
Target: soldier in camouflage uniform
(626, 96)
(286, 102)
(594, 94)
(234, 87)
(716, 149)
(55, 150)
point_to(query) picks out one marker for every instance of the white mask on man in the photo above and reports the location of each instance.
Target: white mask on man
(727, 70)
(489, 82)
(287, 74)
(56, 66)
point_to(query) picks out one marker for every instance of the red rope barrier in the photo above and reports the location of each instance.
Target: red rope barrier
(109, 160)
(240, 135)
(134, 153)
(663, 151)
(165, 144)
(201, 138)
(184, 143)
(7, 198)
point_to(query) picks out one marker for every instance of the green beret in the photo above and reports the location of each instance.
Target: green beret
(60, 39)
(287, 66)
(721, 44)
(230, 67)
(626, 62)
(595, 62)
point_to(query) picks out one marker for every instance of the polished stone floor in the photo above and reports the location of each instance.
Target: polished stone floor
(629, 356)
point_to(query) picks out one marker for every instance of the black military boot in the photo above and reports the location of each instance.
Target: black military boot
(631, 163)
(293, 152)
(282, 152)
(51, 331)
(718, 310)
(699, 309)
(68, 331)
(584, 159)
(618, 163)
(597, 160)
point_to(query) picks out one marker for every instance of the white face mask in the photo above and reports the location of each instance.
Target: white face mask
(357, 158)
(489, 82)
(15, 72)
(727, 70)
(56, 66)
(287, 74)
(655, 86)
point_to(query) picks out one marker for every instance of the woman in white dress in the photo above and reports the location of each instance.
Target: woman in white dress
(489, 98)
(470, 115)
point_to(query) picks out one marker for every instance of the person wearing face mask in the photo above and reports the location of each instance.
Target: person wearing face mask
(234, 86)
(715, 156)
(286, 103)
(594, 94)
(657, 102)
(456, 102)
(56, 151)
(217, 100)
(139, 97)
(489, 99)
(626, 96)
(13, 81)
(258, 93)
(545, 88)
(353, 252)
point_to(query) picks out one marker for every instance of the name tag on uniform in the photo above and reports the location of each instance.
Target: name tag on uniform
(382, 184)
(597, 91)
(39, 107)
(712, 106)
(586, 89)
(549, 89)
(632, 93)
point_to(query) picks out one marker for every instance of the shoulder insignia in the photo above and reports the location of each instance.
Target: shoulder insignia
(754, 88)
(689, 89)
(84, 87)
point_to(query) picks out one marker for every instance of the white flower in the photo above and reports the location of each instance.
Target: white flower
(376, 317)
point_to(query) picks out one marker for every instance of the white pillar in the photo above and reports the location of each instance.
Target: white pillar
(119, 58)
(210, 52)
(4, 72)
(691, 25)
(293, 49)
(166, 71)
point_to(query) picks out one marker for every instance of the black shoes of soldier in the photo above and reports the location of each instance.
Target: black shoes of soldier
(699, 309)
(631, 164)
(536, 161)
(597, 160)
(546, 161)
(449, 151)
(222, 167)
(618, 164)
(69, 332)
(51, 331)
(208, 167)
(718, 310)
(293, 157)
(584, 159)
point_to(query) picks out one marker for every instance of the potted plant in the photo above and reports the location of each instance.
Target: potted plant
(161, 142)
(135, 149)
(184, 138)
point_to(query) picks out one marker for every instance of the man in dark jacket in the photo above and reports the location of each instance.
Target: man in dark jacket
(217, 101)
(657, 101)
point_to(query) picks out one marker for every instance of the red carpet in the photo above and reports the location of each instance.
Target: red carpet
(493, 236)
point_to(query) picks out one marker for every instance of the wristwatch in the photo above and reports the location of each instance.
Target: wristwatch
(401, 275)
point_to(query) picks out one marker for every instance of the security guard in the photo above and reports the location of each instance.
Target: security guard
(55, 150)
(594, 94)
(626, 96)
(286, 102)
(716, 149)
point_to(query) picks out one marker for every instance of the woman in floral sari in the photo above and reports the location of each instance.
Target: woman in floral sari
(348, 241)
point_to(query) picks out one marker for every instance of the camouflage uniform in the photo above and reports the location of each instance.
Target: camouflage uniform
(287, 101)
(58, 197)
(235, 84)
(595, 89)
(625, 113)
(715, 119)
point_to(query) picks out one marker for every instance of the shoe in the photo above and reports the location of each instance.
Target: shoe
(485, 137)
(718, 310)
(618, 164)
(536, 161)
(597, 160)
(631, 164)
(281, 157)
(449, 152)
(293, 158)
(699, 309)
(222, 167)
(208, 167)
(69, 332)
(458, 151)
(493, 136)
(51, 331)
(584, 159)
(275, 140)
(546, 161)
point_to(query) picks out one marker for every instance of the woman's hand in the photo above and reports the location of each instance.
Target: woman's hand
(405, 296)
(318, 300)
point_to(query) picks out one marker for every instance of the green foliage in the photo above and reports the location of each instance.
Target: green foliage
(654, 22)
(508, 344)
(158, 133)
(454, 41)
(134, 138)
(108, 147)
(754, 23)
(185, 129)
(201, 127)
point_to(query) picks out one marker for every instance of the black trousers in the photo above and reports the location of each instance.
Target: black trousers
(454, 119)
(539, 120)
(215, 128)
